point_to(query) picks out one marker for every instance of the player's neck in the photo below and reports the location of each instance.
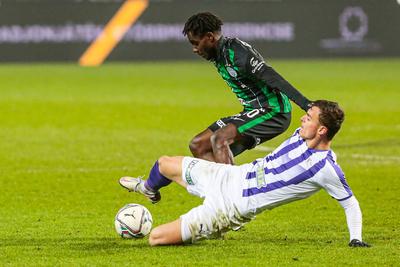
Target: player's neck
(319, 144)
(217, 47)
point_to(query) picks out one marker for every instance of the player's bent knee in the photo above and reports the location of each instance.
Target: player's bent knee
(222, 136)
(155, 237)
(163, 162)
(166, 234)
(163, 159)
(196, 147)
(152, 240)
(171, 167)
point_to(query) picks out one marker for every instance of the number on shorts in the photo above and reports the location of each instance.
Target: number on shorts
(253, 113)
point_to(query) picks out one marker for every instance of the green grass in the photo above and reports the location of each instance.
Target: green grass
(68, 133)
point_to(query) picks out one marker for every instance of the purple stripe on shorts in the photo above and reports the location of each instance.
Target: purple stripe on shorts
(279, 184)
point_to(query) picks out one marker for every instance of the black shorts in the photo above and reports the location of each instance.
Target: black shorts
(255, 127)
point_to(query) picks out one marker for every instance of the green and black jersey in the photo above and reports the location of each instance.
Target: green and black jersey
(256, 84)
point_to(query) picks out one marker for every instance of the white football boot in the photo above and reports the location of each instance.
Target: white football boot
(137, 185)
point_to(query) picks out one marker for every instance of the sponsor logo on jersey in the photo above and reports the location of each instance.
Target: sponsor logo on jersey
(256, 64)
(260, 177)
(188, 170)
(231, 72)
(253, 62)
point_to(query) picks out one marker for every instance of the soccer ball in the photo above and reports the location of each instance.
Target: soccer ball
(133, 221)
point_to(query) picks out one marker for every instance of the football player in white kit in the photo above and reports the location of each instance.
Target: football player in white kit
(234, 195)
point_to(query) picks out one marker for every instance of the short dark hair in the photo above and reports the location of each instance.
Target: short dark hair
(331, 116)
(201, 23)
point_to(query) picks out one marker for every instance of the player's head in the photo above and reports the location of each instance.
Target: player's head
(323, 119)
(203, 31)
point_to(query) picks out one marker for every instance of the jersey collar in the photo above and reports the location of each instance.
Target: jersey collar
(220, 46)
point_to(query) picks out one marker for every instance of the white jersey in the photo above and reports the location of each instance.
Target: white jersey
(233, 195)
(292, 172)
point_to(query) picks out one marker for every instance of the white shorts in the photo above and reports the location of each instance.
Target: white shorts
(223, 208)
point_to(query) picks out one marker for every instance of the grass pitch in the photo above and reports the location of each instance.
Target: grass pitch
(68, 133)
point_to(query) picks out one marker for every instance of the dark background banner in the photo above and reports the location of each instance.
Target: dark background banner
(44, 30)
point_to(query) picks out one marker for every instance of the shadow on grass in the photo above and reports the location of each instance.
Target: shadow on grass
(75, 243)
(115, 245)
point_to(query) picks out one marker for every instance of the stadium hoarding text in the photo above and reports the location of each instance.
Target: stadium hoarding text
(63, 30)
(16, 34)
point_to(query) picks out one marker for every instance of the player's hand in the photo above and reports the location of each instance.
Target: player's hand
(355, 243)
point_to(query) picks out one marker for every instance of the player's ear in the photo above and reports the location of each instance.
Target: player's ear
(322, 130)
(210, 36)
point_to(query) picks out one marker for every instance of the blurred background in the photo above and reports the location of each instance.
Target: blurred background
(69, 133)
(62, 30)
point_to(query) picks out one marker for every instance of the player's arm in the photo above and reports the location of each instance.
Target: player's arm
(252, 63)
(277, 82)
(335, 184)
(354, 221)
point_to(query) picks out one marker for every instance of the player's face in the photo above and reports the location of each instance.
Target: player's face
(204, 46)
(310, 125)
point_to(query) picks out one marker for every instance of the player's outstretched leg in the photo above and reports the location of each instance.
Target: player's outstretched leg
(150, 187)
(165, 170)
(138, 185)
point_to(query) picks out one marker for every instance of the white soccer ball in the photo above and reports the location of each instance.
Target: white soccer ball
(133, 221)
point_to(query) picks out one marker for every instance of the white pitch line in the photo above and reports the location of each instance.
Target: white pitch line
(375, 157)
(264, 148)
(370, 157)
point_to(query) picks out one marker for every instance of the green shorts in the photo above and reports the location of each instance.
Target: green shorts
(255, 126)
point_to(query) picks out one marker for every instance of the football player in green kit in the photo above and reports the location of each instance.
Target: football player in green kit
(263, 93)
